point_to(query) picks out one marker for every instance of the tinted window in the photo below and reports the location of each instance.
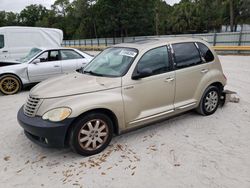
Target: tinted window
(156, 60)
(1, 41)
(49, 56)
(205, 52)
(54, 56)
(186, 55)
(70, 54)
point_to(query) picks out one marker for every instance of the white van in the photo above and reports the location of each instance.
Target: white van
(16, 42)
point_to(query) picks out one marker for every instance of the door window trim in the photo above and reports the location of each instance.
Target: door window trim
(49, 51)
(171, 67)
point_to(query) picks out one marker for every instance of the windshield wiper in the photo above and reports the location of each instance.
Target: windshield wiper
(93, 73)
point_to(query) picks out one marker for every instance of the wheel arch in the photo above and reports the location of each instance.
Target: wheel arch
(13, 74)
(217, 84)
(105, 111)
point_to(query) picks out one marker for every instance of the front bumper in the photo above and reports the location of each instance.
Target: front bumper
(44, 133)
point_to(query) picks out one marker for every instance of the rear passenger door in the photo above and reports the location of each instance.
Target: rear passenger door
(71, 60)
(191, 69)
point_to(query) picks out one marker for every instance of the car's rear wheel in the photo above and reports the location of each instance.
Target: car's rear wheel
(10, 84)
(91, 134)
(209, 101)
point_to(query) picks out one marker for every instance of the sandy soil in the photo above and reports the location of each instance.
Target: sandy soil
(186, 151)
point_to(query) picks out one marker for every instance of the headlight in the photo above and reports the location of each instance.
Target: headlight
(57, 114)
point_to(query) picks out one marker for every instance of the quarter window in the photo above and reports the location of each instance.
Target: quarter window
(186, 55)
(155, 60)
(1, 41)
(205, 52)
(70, 54)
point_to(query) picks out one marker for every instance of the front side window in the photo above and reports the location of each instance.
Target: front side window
(70, 54)
(186, 55)
(44, 57)
(112, 62)
(1, 41)
(155, 61)
(49, 56)
(205, 52)
(53, 55)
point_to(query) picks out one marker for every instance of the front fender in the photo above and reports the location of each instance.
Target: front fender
(20, 72)
(109, 99)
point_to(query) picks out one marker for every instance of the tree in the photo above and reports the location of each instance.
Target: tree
(122, 18)
(32, 14)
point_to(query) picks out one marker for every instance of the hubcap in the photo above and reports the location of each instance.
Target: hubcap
(93, 134)
(9, 85)
(211, 101)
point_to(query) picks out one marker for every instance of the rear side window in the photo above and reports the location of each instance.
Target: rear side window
(70, 54)
(205, 52)
(1, 41)
(186, 55)
(156, 60)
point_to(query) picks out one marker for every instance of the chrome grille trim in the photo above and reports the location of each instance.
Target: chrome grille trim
(31, 106)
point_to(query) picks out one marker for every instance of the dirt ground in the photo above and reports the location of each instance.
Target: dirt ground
(185, 151)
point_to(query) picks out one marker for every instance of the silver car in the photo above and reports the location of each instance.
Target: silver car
(39, 65)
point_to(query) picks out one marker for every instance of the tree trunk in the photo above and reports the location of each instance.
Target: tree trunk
(157, 20)
(231, 16)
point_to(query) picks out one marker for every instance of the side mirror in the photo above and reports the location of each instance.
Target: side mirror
(142, 74)
(36, 61)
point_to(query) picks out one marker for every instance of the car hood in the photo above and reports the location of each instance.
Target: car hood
(73, 84)
(8, 63)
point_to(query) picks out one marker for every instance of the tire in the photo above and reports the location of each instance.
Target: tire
(10, 84)
(88, 137)
(209, 101)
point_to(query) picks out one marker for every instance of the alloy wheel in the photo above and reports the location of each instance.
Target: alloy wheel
(211, 101)
(93, 134)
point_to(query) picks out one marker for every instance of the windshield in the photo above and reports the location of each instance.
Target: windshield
(112, 62)
(33, 52)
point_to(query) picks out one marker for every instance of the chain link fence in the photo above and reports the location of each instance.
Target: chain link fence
(225, 43)
(215, 39)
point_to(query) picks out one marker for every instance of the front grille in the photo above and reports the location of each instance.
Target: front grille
(31, 106)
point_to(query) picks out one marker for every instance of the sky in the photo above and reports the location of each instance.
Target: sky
(18, 5)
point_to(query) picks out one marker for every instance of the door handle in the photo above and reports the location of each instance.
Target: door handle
(204, 71)
(169, 79)
(5, 51)
(56, 66)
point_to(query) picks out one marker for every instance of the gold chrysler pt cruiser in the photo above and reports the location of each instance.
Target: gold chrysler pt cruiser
(125, 87)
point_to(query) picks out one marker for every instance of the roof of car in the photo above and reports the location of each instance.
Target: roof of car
(155, 42)
(56, 48)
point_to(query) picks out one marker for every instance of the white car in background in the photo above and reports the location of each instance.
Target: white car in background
(40, 64)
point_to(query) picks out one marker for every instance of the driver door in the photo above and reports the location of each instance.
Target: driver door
(152, 96)
(49, 66)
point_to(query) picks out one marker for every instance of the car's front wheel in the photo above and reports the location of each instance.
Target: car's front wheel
(91, 134)
(10, 84)
(209, 101)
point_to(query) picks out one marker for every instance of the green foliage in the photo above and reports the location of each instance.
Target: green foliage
(119, 18)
